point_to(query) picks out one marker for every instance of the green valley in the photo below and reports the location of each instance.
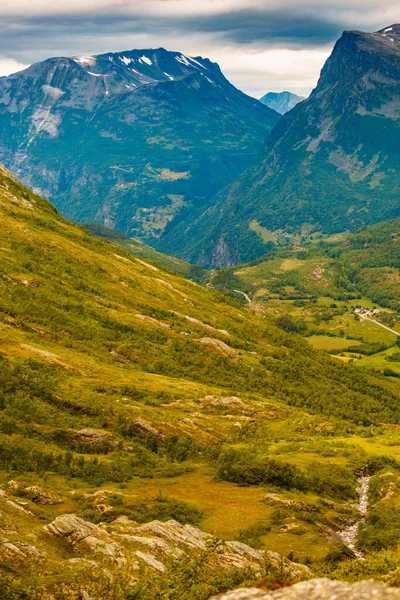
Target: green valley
(146, 420)
(340, 293)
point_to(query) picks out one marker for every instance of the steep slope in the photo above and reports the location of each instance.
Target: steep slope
(129, 140)
(331, 163)
(282, 102)
(130, 396)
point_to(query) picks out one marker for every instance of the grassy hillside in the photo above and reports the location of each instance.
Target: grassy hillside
(175, 401)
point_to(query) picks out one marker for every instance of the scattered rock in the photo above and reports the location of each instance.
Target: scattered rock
(21, 549)
(154, 543)
(175, 532)
(78, 531)
(205, 325)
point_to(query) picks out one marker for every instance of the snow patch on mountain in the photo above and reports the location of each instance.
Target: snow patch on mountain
(85, 60)
(182, 59)
(193, 60)
(145, 59)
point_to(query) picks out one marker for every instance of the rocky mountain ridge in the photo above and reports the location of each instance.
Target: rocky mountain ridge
(329, 165)
(282, 102)
(130, 140)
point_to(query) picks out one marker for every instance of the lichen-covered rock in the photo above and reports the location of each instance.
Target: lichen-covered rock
(319, 589)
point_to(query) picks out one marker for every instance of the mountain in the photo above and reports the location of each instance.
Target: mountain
(282, 102)
(142, 414)
(129, 140)
(331, 164)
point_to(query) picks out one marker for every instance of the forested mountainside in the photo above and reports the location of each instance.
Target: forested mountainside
(130, 140)
(144, 418)
(329, 165)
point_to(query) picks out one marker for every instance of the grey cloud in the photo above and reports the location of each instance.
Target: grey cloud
(288, 28)
(296, 27)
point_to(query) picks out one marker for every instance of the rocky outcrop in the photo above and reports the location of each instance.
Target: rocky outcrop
(34, 493)
(220, 346)
(154, 321)
(93, 437)
(319, 589)
(272, 498)
(230, 401)
(146, 428)
(154, 544)
(84, 534)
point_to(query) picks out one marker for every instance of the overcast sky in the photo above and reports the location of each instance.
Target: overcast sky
(261, 45)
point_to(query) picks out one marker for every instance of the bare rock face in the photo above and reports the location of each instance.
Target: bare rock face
(319, 589)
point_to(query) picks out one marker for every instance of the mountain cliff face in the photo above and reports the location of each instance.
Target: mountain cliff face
(128, 140)
(331, 163)
(281, 102)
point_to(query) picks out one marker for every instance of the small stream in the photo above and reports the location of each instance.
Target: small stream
(349, 535)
